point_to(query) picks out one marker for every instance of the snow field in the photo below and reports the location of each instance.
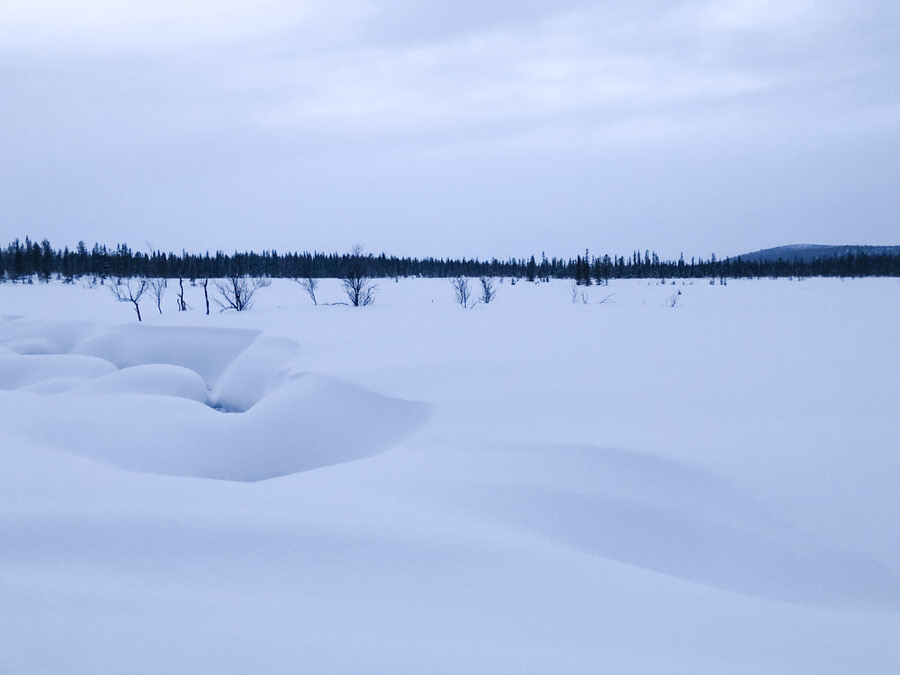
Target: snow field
(529, 486)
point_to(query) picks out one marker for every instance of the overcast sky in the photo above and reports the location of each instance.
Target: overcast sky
(451, 128)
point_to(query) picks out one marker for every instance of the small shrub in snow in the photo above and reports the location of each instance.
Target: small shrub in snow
(672, 300)
(158, 290)
(236, 292)
(359, 289)
(309, 285)
(461, 291)
(487, 290)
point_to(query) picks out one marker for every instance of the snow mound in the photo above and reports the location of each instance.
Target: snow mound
(41, 336)
(206, 351)
(157, 378)
(18, 371)
(313, 421)
(252, 373)
(152, 411)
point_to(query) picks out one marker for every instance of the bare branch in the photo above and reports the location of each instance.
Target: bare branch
(309, 285)
(129, 290)
(157, 289)
(237, 292)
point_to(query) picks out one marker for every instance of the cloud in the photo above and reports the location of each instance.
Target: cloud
(136, 25)
(614, 71)
(666, 118)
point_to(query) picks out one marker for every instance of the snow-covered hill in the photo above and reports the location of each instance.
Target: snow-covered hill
(809, 252)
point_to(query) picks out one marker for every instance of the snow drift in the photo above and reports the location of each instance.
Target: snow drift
(210, 403)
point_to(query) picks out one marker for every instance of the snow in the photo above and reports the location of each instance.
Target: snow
(528, 486)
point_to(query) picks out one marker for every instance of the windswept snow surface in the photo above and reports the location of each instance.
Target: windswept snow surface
(528, 486)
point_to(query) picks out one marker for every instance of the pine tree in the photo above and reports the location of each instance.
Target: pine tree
(531, 269)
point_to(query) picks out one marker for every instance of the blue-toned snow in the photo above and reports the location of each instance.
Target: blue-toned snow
(534, 485)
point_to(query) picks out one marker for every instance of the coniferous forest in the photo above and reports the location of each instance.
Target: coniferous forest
(28, 258)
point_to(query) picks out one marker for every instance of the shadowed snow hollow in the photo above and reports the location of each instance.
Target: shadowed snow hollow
(675, 519)
(154, 400)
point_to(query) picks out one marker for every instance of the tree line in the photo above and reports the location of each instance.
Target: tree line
(28, 258)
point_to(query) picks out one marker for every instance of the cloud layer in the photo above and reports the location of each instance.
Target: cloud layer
(458, 128)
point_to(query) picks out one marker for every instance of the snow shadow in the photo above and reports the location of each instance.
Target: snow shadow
(678, 520)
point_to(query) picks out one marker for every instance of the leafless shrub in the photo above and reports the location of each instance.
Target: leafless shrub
(488, 293)
(129, 290)
(157, 289)
(236, 292)
(672, 300)
(359, 289)
(461, 290)
(578, 294)
(309, 285)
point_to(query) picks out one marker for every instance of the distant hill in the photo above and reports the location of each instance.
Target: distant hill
(809, 252)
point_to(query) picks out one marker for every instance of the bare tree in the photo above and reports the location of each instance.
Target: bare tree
(129, 290)
(182, 305)
(487, 290)
(461, 290)
(237, 291)
(359, 289)
(309, 285)
(206, 294)
(158, 290)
